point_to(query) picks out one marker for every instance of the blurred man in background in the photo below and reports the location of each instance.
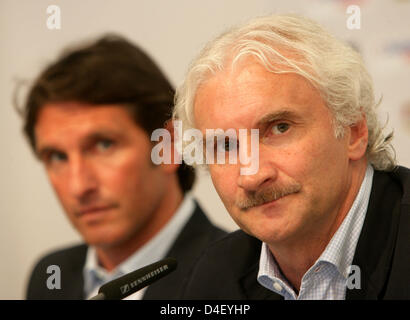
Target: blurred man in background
(89, 117)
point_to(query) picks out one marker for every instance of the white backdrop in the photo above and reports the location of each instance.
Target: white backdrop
(32, 221)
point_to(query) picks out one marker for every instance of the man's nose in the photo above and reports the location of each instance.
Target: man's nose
(82, 180)
(266, 174)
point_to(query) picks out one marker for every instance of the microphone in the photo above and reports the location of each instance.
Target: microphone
(132, 282)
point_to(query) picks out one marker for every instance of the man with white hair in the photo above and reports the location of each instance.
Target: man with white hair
(327, 214)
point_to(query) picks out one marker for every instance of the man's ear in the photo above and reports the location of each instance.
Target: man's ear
(175, 156)
(359, 137)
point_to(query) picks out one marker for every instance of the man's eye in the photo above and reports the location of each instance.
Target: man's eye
(227, 145)
(56, 157)
(104, 144)
(280, 128)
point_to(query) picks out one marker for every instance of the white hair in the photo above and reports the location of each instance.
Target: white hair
(294, 44)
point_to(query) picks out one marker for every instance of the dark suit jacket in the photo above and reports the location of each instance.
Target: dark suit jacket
(229, 268)
(196, 235)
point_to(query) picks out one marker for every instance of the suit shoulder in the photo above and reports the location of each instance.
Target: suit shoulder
(69, 260)
(235, 252)
(61, 255)
(236, 249)
(402, 174)
(200, 228)
(226, 261)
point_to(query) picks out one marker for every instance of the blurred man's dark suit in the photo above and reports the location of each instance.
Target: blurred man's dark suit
(195, 236)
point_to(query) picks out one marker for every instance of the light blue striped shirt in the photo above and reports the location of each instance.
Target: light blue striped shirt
(154, 250)
(326, 279)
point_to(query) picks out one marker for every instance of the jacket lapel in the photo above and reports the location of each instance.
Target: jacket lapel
(247, 272)
(255, 291)
(74, 286)
(377, 239)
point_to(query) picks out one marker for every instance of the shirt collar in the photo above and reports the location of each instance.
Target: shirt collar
(155, 249)
(339, 251)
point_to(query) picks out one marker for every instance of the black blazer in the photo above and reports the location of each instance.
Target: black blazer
(229, 268)
(195, 236)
